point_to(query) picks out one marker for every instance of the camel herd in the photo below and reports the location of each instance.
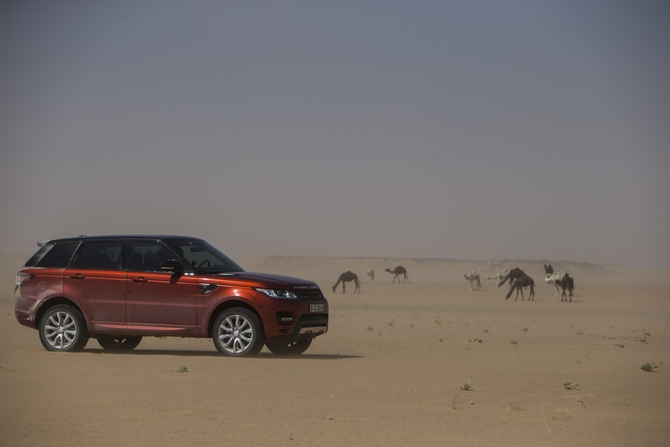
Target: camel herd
(518, 280)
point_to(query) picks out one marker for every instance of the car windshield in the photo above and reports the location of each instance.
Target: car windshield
(203, 256)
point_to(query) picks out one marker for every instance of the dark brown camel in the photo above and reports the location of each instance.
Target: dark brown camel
(345, 278)
(567, 283)
(512, 276)
(400, 270)
(519, 284)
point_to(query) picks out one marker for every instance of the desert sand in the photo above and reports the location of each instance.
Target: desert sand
(393, 369)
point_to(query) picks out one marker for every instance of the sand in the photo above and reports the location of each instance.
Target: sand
(389, 372)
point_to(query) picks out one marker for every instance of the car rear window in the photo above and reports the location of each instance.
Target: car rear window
(53, 255)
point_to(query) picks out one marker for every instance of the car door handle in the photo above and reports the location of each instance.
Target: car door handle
(77, 276)
(140, 279)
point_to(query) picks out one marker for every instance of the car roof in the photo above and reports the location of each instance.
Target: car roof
(118, 236)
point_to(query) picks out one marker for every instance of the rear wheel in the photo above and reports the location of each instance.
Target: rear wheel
(118, 343)
(238, 332)
(289, 348)
(63, 329)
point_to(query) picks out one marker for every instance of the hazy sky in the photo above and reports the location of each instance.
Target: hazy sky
(466, 129)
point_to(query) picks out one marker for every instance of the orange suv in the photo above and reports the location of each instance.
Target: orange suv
(118, 289)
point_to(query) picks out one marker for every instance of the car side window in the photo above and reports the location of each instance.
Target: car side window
(147, 256)
(100, 255)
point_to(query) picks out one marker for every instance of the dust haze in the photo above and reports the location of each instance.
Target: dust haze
(475, 131)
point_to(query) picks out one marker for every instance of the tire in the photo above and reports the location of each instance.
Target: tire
(118, 343)
(286, 349)
(63, 329)
(238, 332)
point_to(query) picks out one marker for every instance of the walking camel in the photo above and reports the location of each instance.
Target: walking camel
(400, 270)
(345, 278)
(473, 277)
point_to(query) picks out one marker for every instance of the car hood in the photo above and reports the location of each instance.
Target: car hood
(268, 280)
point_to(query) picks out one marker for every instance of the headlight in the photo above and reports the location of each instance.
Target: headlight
(274, 293)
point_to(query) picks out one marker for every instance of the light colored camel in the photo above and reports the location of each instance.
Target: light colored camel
(400, 270)
(554, 277)
(371, 273)
(473, 277)
(346, 277)
(499, 277)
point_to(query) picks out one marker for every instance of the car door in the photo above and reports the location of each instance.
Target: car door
(96, 280)
(160, 303)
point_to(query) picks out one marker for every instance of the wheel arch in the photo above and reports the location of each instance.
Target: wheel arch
(51, 302)
(225, 305)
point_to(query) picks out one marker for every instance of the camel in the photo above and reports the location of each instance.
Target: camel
(371, 273)
(519, 284)
(553, 277)
(400, 270)
(512, 276)
(567, 283)
(473, 277)
(346, 277)
(499, 277)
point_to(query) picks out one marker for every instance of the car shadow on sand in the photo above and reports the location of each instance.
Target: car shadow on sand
(196, 353)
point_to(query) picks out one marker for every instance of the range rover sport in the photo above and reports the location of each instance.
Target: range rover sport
(118, 289)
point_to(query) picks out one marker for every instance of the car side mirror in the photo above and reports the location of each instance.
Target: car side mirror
(172, 266)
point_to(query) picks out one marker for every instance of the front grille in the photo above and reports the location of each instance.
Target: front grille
(314, 295)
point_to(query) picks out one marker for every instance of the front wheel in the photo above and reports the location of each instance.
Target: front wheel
(63, 329)
(118, 343)
(238, 332)
(286, 349)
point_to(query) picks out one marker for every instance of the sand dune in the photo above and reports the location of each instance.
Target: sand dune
(390, 371)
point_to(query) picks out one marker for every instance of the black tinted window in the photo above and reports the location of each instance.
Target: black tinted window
(53, 255)
(203, 256)
(104, 255)
(147, 256)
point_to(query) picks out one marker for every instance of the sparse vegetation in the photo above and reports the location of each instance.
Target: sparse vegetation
(619, 345)
(648, 367)
(513, 342)
(466, 386)
(570, 385)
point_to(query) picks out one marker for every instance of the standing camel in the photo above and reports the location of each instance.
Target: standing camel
(345, 278)
(473, 277)
(553, 277)
(567, 283)
(371, 273)
(520, 283)
(400, 270)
